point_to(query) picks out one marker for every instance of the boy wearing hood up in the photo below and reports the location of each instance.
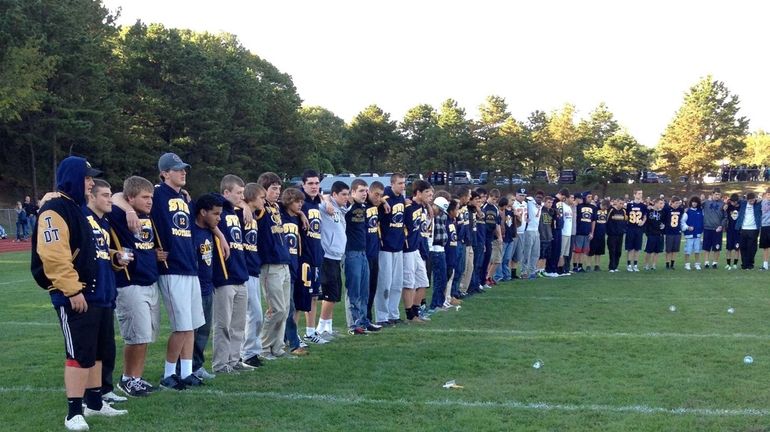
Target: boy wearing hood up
(67, 260)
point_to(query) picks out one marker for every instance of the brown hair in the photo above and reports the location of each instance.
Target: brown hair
(135, 185)
(251, 191)
(292, 195)
(268, 179)
(229, 182)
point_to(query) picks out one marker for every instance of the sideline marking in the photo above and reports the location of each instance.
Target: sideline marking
(511, 404)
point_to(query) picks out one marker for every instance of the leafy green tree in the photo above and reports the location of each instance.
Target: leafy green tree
(706, 128)
(757, 151)
(619, 153)
(454, 143)
(419, 129)
(327, 135)
(372, 135)
(562, 148)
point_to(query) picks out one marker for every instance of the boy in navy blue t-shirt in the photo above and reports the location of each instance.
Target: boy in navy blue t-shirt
(637, 216)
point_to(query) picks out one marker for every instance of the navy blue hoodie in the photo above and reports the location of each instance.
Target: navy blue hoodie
(392, 235)
(63, 249)
(106, 292)
(271, 242)
(231, 225)
(312, 251)
(143, 270)
(173, 224)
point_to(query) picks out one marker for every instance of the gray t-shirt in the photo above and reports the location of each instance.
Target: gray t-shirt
(765, 212)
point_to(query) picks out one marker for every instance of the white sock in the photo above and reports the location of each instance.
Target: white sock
(126, 378)
(186, 369)
(309, 331)
(169, 370)
(328, 326)
(321, 326)
(764, 264)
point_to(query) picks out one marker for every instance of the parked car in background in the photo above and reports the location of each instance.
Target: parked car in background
(328, 175)
(388, 174)
(368, 175)
(438, 177)
(501, 181)
(711, 178)
(567, 176)
(461, 177)
(541, 176)
(649, 177)
(296, 181)
(412, 177)
(483, 177)
(664, 178)
(346, 175)
(517, 179)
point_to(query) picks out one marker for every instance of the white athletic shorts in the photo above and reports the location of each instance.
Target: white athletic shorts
(415, 274)
(182, 297)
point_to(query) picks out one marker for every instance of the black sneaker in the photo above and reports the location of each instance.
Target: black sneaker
(173, 382)
(384, 324)
(253, 361)
(373, 327)
(132, 387)
(147, 386)
(192, 381)
(597, 268)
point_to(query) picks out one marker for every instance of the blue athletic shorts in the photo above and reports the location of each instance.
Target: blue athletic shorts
(634, 239)
(712, 240)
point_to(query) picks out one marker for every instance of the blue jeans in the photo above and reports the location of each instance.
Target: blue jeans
(21, 230)
(459, 268)
(202, 333)
(478, 263)
(357, 284)
(438, 265)
(503, 272)
(290, 335)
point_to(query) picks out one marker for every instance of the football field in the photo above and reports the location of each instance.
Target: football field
(614, 357)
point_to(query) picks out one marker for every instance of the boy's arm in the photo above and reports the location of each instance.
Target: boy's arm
(132, 219)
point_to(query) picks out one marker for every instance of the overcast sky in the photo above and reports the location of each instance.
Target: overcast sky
(638, 57)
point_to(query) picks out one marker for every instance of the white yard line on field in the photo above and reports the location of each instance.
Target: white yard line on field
(510, 404)
(14, 282)
(594, 334)
(526, 333)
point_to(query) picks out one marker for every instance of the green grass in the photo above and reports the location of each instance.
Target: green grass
(615, 359)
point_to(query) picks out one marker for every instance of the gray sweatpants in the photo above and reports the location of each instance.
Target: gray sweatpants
(531, 252)
(252, 344)
(390, 282)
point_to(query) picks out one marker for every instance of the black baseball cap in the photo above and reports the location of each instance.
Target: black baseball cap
(521, 191)
(91, 171)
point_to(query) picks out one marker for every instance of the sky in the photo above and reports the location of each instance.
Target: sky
(639, 57)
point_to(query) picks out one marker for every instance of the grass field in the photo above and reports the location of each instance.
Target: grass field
(615, 358)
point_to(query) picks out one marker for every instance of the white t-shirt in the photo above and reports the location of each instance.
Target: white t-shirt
(566, 229)
(520, 208)
(533, 211)
(749, 221)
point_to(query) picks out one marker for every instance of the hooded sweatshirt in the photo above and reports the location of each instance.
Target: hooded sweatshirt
(106, 292)
(333, 237)
(63, 249)
(231, 225)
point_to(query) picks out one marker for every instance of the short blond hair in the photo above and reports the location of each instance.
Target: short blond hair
(135, 185)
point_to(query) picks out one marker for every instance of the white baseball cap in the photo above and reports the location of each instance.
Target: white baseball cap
(442, 203)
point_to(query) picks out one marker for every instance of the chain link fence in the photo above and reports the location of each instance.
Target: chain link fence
(8, 222)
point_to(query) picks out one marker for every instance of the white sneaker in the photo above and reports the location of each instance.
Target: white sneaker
(316, 339)
(687, 266)
(77, 423)
(629, 268)
(727, 267)
(636, 268)
(697, 266)
(203, 374)
(112, 397)
(106, 411)
(735, 266)
(646, 268)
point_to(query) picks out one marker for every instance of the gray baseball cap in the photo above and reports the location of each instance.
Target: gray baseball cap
(170, 161)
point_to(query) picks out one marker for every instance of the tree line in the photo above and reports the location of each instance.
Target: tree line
(73, 82)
